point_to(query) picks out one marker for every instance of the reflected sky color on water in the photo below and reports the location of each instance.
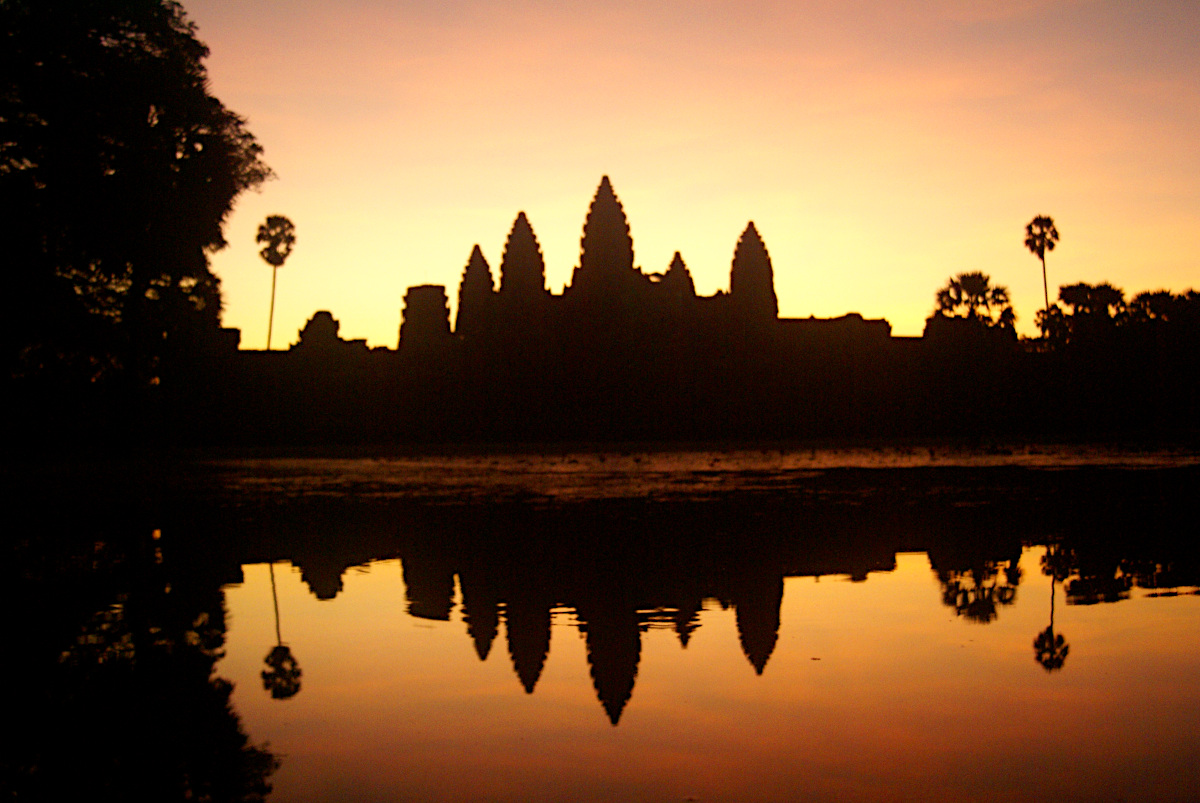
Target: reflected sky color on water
(756, 624)
(873, 690)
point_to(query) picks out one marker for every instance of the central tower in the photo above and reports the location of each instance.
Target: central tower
(606, 250)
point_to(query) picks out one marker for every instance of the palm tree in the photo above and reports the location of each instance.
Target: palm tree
(974, 293)
(1101, 302)
(280, 237)
(1040, 237)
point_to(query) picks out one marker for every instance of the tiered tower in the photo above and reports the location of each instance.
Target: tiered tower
(752, 281)
(522, 269)
(475, 299)
(677, 281)
(425, 320)
(605, 270)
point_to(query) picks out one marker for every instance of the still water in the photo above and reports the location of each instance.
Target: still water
(873, 690)
(624, 626)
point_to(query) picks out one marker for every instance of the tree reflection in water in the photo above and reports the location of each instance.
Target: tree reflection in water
(978, 576)
(625, 566)
(111, 660)
(1050, 649)
(282, 675)
(119, 699)
(978, 593)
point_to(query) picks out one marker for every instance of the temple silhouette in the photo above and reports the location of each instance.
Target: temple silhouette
(619, 353)
(609, 304)
(625, 355)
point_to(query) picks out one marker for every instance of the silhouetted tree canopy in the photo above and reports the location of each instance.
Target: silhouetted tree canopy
(1095, 315)
(973, 296)
(1157, 305)
(1092, 311)
(117, 171)
(1101, 301)
(279, 235)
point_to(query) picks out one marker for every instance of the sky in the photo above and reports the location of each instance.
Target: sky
(879, 147)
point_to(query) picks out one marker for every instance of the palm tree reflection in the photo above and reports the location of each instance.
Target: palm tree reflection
(978, 592)
(1049, 648)
(282, 675)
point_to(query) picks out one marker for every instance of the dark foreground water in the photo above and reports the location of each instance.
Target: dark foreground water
(670, 625)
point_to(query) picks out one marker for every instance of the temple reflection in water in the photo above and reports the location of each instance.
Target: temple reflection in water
(614, 569)
(610, 608)
(126, 633)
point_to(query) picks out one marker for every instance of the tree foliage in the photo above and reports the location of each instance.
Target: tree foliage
(973, 296)
(118, 169)
(1050, 649)
(279, 235)
(1091, 312)
(1096, 317)
(282, 676)
(1099, 301)
(1041, 236)
(1161, 307)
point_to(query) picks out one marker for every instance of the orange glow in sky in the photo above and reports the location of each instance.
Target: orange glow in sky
(879, 147)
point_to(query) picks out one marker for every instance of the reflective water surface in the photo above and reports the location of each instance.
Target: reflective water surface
(627, 626)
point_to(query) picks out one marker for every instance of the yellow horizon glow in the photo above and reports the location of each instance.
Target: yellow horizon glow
(878, 149)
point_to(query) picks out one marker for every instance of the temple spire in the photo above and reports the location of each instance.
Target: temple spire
(752, 280)
(678, 279)
(522, 268)
(606, 248)
(474, 296)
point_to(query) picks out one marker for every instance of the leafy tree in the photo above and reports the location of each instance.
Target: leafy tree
(117, 171)
(972, 296)
(1099, 301)
(1092, 311)
(1041, 236)
(1177, 314)
(1159, 305)
(279, 236)
(1055, 326)
(977, 594)
(121, 701)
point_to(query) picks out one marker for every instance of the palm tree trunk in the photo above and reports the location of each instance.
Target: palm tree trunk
(1052, 582)
(275, 598)
(275, 273)
(1045, 286)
